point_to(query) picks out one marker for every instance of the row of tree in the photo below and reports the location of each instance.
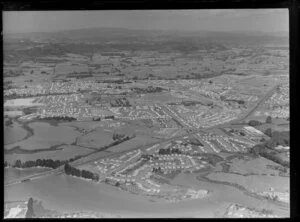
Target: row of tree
(169, 151)
(258, 123)
(69, 170)
(59, 118)
(262, 150)
(267, 150)
(117, 136)
(157, 170)
(8, 122)
(277, 138)
(149, 89)
(39, 162)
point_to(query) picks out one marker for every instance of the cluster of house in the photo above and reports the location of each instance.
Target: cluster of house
(275, 195)
(140, 112)
(131, 170)
(63, 88)
(238, 211)
(30, 90)
(65, 106)
(279, 102)
(195, 194)
(218, 143)
(209, 118)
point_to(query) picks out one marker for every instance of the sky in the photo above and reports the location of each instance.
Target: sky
(262, 20)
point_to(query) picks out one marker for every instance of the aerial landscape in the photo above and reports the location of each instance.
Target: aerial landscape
(114, 117)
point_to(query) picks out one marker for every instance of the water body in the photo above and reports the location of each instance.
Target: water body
(65, 193)
(72, 194)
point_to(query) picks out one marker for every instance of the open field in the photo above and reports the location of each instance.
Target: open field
(139, 140)
(22, 102)
(253, 166)
(46, 136)
(95, 139)
(14, 133)
(69, 67)
(254, 182)
(64, 152)
(13, 174)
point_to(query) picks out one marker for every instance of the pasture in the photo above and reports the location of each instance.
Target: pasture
(139, 140)
(256, 166)
(64, 152)
(257, 183)
(14, 133)
(95, 139)
(22, 102)
(46, 136)
(68, 67)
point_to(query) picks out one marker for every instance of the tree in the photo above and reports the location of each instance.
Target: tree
(254, 123)
(18, 164)
(67, 169)
(8, 122)
(269, 120)
(268, 132)
(29, 212)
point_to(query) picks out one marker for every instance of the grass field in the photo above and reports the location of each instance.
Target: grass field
(21, 102)
(66, 152)
(139, 140)
(46, 136)
(254, 182)
(95, 139)
(14, 133)
(257, 166)
(68, 67)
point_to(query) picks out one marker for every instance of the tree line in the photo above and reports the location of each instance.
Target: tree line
(169, 151)
(117, 136)
(41, 163)
(267, 149)
(58, 118)
(69, 170)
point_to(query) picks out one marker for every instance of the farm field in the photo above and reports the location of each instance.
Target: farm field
(253, 182)
(253, 166)
(46, 136)
(64, 152)
(69, 67)
(95, 139)
(139, 140)
(14, 133)
(22, 102)
(13, 174)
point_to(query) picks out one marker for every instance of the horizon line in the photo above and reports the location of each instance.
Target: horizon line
(166, 30)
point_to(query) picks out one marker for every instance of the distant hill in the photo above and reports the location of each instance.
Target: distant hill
(122, 34)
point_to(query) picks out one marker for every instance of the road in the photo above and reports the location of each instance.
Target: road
(88, 159)
(262, 100)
